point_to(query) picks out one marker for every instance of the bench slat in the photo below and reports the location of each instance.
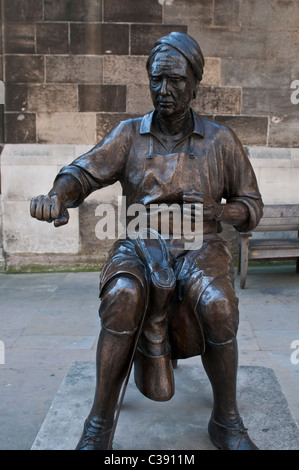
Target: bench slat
(281, 210)
(271, 254)
(274, 243)
(272, 225)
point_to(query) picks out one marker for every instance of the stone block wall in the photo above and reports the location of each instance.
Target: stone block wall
(72, 69)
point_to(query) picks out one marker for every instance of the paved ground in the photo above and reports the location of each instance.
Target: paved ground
(49, 321)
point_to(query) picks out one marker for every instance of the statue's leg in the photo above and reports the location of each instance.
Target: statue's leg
(219, 317)
(121, 310)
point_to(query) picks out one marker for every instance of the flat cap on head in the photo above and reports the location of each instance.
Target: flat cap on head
(187, 46)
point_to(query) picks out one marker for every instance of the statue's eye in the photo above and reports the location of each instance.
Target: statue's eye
(177, 80)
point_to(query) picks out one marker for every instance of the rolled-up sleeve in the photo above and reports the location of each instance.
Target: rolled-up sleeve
(242, 184)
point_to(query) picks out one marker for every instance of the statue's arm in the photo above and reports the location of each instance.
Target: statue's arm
(99, 167)
(243, 208)
(234, 213)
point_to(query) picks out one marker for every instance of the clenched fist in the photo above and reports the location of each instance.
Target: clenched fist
(50, 209)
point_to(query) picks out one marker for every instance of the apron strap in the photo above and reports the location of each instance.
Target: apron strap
(150, 148)
(191, 153)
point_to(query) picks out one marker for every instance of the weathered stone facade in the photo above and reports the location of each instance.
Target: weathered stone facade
(86, 58)
(73, 69)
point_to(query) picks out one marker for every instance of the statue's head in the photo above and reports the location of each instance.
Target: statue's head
(175, 69)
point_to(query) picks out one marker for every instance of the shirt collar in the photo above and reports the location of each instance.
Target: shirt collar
(146, 124)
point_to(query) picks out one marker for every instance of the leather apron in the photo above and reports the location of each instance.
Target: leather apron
(166, 178)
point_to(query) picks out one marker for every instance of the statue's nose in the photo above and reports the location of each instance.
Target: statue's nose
(164, 88)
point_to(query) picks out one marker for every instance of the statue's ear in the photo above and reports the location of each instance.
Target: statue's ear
(195, 89)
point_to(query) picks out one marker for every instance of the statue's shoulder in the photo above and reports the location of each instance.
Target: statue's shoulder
(216, 129)
(215, 125)
(125, 128)
(131, 123)
(128, 129)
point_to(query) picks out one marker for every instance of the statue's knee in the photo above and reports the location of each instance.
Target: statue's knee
(122, 304)
(220, 317)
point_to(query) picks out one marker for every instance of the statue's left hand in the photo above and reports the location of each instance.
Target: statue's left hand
(211, 210)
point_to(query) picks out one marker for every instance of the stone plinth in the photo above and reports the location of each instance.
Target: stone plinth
(179, 424)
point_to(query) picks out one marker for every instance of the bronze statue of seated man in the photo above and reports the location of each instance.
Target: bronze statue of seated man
(180, 302)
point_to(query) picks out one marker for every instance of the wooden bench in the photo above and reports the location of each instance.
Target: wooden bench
(276, 218)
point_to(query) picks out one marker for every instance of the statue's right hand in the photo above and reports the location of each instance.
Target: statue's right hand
(50, 209)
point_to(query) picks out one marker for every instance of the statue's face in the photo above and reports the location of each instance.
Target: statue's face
(172, 83)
